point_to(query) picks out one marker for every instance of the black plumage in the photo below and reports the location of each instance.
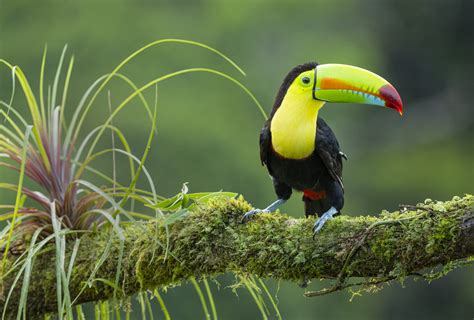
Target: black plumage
(318, 176)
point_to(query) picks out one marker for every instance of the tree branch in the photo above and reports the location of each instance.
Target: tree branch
(211, 241)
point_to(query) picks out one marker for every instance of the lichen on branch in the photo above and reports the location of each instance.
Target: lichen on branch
(211, 240)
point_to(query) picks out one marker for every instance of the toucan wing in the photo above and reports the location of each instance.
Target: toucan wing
(265, 143)
(329, 151)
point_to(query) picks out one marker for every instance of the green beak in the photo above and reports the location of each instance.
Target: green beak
(344, 83)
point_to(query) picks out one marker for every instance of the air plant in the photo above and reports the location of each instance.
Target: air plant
(48, 158)
(51, 157)
(48, 163)
(53, 152)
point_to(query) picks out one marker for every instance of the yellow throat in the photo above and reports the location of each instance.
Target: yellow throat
(293, 126)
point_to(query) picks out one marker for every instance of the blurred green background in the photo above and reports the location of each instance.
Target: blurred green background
(208, 128)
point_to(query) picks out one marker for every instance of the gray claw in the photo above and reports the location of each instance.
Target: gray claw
(323, 219)
(319, 224)
(343, 155)
(250, 214)
(272, 207)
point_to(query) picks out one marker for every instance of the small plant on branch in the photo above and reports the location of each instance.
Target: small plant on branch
(55, 201)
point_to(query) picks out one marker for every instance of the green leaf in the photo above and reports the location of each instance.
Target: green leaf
(19, 198)
(172, 218)
(169, 204)
(181, 200)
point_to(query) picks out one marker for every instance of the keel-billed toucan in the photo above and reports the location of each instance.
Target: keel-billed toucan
(299, 149)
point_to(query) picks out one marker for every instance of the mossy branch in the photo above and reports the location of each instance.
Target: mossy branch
(212, 241)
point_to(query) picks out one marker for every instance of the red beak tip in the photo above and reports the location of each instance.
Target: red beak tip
(392, 98)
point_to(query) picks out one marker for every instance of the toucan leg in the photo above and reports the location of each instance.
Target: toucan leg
(322, 220)
(272, 207)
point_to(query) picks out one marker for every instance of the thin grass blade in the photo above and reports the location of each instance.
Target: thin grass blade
(18, 194)
(201, 298)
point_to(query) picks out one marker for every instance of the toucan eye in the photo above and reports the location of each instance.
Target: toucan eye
(305, 80)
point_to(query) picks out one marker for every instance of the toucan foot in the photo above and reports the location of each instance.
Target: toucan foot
(272, 207)
(246, 217)
(323, 219)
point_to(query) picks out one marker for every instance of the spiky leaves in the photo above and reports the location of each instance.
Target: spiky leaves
(58, 201)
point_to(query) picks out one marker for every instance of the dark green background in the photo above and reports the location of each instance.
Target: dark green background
(208, 128)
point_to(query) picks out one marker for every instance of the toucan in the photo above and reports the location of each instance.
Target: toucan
(299, 149)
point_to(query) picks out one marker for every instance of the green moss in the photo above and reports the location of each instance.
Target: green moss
(211, 240)
(384, 247)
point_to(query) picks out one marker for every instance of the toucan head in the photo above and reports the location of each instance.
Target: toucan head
(341, 83)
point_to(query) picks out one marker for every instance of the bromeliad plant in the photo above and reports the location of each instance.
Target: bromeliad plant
(51, 157)
(51, 154)
(47, 161)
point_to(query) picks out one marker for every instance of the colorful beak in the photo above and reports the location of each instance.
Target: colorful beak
(344, 83)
